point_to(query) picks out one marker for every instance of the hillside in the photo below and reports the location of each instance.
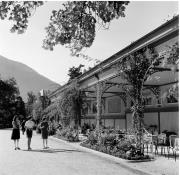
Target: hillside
(26, 78)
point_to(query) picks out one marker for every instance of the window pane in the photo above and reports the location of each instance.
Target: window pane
(114, 105)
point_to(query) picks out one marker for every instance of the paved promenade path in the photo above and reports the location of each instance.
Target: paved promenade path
(60, 159)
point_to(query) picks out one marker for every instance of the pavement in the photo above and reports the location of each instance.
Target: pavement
(62, 158)
(161, 165)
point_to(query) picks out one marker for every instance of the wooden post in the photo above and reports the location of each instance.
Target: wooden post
(125, 121)
(159, 123)
(98, 100)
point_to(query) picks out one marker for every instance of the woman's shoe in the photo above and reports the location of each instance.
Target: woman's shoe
(18, 148)
(15, 148)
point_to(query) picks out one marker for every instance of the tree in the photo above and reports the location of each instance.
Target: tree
(173, 54)
(71, 104)
(73, 26)
(19, 12)
(30, 102)
(136, 69)
(31, 97)
(37, 109)
(74, 72)
(53, 111)
(20, 107)
(8, 93)
(39, 105)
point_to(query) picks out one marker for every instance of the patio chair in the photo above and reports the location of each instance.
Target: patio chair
(174, 145)
(130, 137)
(160, 142)
(147, 141)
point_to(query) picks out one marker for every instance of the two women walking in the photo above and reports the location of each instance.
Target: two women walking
(28, 127)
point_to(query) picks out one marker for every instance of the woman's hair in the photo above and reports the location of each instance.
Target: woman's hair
(29, 118)
(15, 117)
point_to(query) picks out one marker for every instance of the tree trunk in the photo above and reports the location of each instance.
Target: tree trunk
(138, 118)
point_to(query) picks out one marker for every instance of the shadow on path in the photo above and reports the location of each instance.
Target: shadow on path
(52, 150)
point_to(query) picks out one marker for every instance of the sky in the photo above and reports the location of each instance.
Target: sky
(141, 18)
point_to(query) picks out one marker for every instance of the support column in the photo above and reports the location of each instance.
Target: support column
(98, 100)
(125, 121)
(159, 123)
(157, 93)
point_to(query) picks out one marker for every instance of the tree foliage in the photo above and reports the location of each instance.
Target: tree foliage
(37, 110)
(75, 24)
(53, 111)
(136, 69)
(18, 12)
(173, 54)
(40, 104)
(20, 107)
(74, 72)
(70, 104)
(31, 99)
(8, 93)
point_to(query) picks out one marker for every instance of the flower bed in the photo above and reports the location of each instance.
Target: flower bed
(118, 145)
(67, 134)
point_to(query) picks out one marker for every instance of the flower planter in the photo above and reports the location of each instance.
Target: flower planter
(141, 160)
(145, 158)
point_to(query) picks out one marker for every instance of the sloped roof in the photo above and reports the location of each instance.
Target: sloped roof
(157, 34)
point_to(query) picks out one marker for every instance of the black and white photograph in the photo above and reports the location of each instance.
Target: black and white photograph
(89, 87)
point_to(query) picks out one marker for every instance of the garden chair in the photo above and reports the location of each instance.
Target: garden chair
(160, 141)
(174, 145)
(147, 141)
(130, 136)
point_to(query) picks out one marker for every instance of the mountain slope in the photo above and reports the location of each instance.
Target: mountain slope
(26, 78)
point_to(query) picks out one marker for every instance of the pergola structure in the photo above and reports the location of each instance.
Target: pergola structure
(113, 88)
(104, 83)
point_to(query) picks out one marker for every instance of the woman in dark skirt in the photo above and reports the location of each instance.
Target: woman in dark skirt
(16, 131)
(44, 131)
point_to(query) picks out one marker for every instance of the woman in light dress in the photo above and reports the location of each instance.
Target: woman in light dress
(29, 125)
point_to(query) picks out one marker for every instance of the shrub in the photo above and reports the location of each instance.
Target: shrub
(124, 145)
(87, 127)
(108, 141)
(69, 134)
(53, 127)
(93, 138)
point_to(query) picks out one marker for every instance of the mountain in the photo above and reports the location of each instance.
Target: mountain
(27, 79)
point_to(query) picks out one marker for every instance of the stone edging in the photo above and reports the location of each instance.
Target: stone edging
(123, 163)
